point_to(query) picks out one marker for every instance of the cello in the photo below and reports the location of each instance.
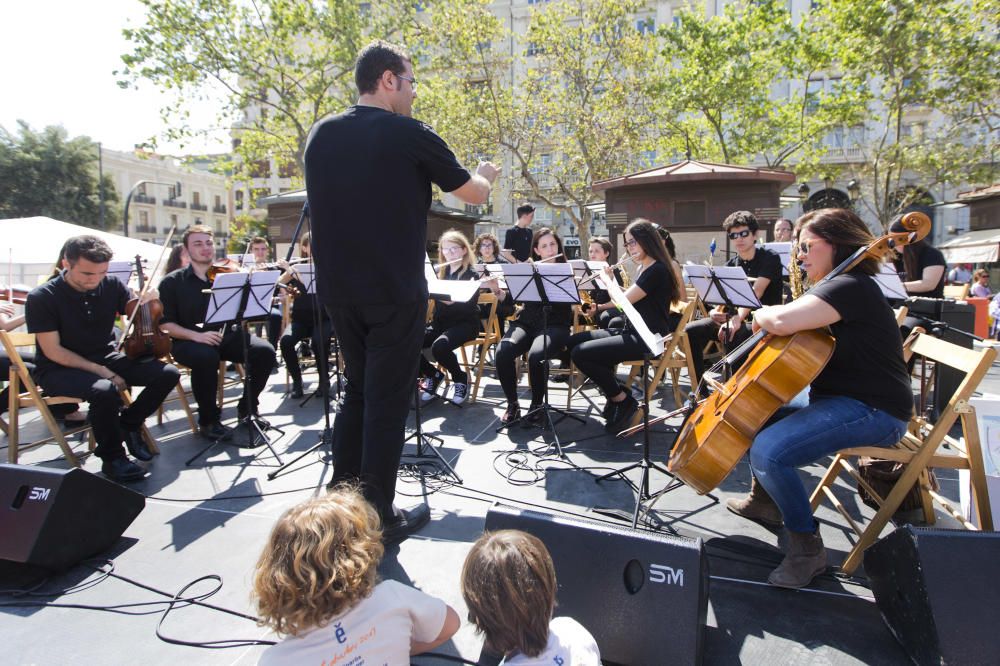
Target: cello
(721, 428)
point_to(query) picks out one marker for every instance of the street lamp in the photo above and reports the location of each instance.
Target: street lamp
(176, 187)
(803, 191)
(854, 189)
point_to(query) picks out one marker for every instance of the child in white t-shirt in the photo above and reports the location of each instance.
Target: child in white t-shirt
(509, 585)
(316, 583)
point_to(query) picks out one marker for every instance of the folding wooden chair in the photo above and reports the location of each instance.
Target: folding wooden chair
(181, 397)
(676, 356)
(919, 451)
(32, 397)
(489, 336)
(957, 291)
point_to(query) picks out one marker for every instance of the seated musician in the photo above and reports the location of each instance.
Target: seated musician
(922, 269)
(597, 353)
(526, 334)
(861, 398)
(261, 251)
(487, 249)
(600, 250)
(200, 346)
(758, 263)
(453, 323)
(73, 319)
(307, 324)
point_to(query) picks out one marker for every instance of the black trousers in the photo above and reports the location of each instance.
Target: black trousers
(701, 332)
(597, 353)
(443, 342)
(204, 363)
(320, 336)
(107, 417)
(381, 345)
(520, 339)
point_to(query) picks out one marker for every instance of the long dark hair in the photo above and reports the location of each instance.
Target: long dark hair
(651, 242)
(844, 230)
(538, 236)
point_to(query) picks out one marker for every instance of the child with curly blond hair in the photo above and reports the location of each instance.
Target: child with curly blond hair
(316, 583)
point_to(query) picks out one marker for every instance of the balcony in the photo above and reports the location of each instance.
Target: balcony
(174, 203)
(199, 206)
(221, 209)
(145, 229)
(143, 199)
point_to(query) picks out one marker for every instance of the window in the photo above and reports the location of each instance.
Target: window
(543, 214)
(646, 26)
(535, 49)
(173, 219)
(143, 220)
(239, 199)
(196, 198)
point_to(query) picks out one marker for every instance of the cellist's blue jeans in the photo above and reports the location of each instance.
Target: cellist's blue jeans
(827, 425)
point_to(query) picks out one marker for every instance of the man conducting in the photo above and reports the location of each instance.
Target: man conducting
(368, 174)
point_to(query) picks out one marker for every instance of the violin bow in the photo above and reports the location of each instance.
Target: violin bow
(145, 287)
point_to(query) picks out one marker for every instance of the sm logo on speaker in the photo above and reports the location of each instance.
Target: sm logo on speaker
(39, 494)
(661, 573)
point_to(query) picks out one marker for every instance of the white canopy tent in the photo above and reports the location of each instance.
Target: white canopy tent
(975, 247)
(29, 247)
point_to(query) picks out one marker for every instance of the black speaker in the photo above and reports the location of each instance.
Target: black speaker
(642, 595)
(938, 593)
(55, 518)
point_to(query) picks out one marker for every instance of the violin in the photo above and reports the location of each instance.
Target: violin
(720, 429)
(145, 337)
(222, 266)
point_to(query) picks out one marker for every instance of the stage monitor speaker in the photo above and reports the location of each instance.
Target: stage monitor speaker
(642, 595)
(938, 593)
(55, 518)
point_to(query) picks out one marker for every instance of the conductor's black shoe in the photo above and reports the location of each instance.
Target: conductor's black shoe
(122, 470)
(622, 414)
(405, 522)
(297, 391)
(215, 430)
(137, 445)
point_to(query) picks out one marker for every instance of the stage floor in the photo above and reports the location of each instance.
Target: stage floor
(212, 518)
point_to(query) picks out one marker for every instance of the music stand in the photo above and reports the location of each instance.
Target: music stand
(544, 283)
(723, 285)
(783, 250)
(121, 270)
(888, 281)
(236, 297)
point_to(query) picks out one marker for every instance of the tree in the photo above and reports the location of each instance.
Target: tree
(568, 102)
(275, 67)
(242, 228)
(927, 74)
(47, 173)
(736, 87)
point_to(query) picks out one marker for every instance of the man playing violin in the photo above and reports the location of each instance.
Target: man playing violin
(73, 319)
(261, 251)
(201, 346)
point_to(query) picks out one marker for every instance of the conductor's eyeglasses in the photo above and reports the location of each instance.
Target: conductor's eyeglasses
(413, 82)
(733, 235)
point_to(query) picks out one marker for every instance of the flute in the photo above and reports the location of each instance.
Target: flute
(594, 276)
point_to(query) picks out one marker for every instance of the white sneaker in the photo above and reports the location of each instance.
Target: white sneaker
(460, 392)
(427, 386)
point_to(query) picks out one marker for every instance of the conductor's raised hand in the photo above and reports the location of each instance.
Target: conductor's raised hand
(488, 170)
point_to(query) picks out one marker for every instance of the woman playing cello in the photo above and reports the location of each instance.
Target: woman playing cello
(861, 398)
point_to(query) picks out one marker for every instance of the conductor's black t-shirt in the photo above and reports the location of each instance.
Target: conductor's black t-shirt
(85, 320)
(654, 307)
(765, 264)
(867, 362)
(368, 175)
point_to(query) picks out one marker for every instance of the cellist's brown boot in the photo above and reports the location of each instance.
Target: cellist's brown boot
(757, 506)
(805, 558)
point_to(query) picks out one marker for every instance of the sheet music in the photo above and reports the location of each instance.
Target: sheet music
(889, 282)
(783, 250)
(734, 280)
(307, 276)
(227, 293)
(557, 281)
(652, 341)
(487, 272)
(584, 268)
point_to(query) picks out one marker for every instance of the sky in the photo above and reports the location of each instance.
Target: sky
(57, 59)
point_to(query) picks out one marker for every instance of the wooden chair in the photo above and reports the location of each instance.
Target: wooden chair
(919, 450)
(181, 397)
(31, 397)
(957, 291)
(676, 356)
(901, 313)
(489, 336)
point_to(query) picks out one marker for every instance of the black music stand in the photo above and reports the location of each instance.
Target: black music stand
(723, 285)
(545, 284)
(235, 298)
